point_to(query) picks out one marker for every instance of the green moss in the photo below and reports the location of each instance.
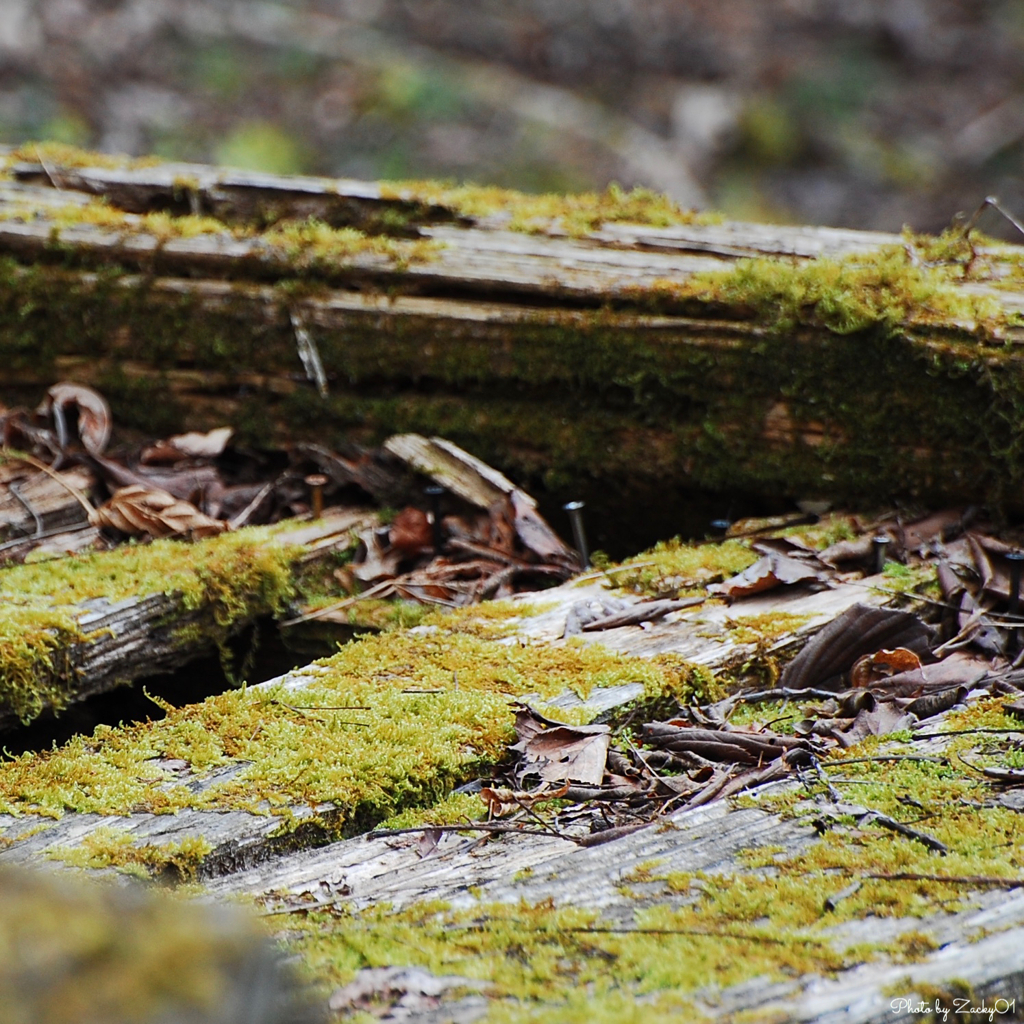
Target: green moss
(59, 154)
(768, 626)
(115, 848)
(112, 954)
(230, 578)
(399, 748)
(675, 567)
(576, 215)
(884, 289)
(312, 244)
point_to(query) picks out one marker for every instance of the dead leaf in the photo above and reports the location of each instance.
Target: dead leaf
(410, 532)
(427, 841)
(501, 801)
(869, 668)
(378, 562)
(774, 570)
(194, 445)
(94, 420)
(558, 752)
(137, 510)
(861, 629)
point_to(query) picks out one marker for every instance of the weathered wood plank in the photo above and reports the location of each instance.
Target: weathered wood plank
(144, 634)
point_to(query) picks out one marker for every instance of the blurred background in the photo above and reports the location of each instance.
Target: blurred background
(863, 113)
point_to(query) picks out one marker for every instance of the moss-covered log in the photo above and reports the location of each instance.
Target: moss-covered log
(77, 626)
(603, 347)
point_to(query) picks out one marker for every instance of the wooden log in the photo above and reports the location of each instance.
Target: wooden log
(582, 364)
(249, 854)
(106, 642)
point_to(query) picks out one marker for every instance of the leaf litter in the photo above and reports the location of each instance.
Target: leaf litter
(64, 489)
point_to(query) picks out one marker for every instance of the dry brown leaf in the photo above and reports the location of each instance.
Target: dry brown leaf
(557, 752)
(94, 420)
(138, 510)
(870, 668)
(774, 570)
(411, 532)
(193, 445)
(501, 800)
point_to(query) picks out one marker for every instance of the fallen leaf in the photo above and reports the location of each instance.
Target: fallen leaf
(558, 752)
(861, 629)
(869, 668)
(94, 420)
(774, 570)
(410, 532)
(137, 510)
(194, 445)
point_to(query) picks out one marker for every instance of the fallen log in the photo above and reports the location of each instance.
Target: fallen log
(627, 364)
(158, 607)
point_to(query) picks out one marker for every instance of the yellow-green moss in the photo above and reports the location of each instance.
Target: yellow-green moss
(674, 567)
(60, 154)
(576, 215)
(109, 954)
(232, 577)
(883, 289)
(766, 918)
(312, 243)
(398, 748)
(115, 848)
(768, 626)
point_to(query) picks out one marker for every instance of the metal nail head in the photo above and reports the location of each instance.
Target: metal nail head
(316, 483)
(879, 545)
(433, 492)
(575, 510)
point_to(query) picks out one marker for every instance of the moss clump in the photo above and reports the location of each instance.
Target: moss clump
(766, 918)
(233, 577)
(576, 215)
(749, 629)
(71, 951)
(882, 290)
(109, 847)
(312, 244)
(560, 963)
(674, 567)
(398, 747)
(61, 154)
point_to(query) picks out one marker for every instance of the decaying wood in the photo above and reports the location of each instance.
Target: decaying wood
(148, 633)
(538, 351)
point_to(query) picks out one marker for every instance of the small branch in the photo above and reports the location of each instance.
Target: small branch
(905, 830)
(913, 876)
(887, 757)
(43, 467)
(487, 826)
(965, 732)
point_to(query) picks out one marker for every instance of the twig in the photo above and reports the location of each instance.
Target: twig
(486, 826)
(317, 613)
(905, 830)
(913, 876)
(963, 732)
(887, 757)
(243, 517)
(784, 693)
(42, 466)
(28, 507)
(712, 933)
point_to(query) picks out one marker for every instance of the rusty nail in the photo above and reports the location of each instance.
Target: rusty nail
(433, 492)
(575, 510)
(878, 546)
(315, 482)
